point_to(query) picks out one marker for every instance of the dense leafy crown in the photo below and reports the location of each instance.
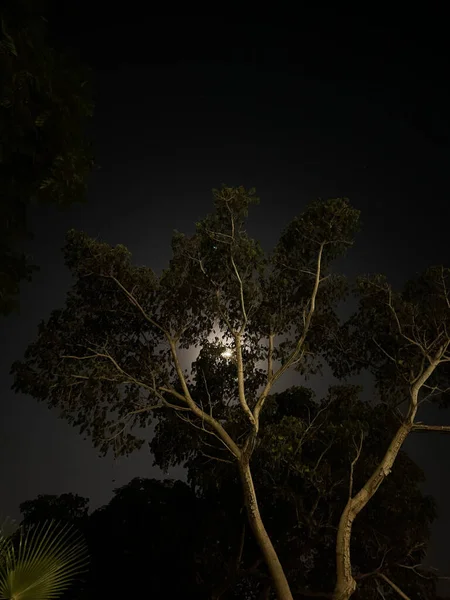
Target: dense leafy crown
(115, 350)
(400, 336)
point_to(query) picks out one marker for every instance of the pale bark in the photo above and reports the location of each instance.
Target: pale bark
(299, 348)
(345, 582)
(395, 587)
(279, 581)
(241, 380)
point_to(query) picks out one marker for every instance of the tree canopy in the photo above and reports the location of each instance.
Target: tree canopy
(66, 508)
(114, 343)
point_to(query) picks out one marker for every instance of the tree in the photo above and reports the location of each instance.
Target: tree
(114, 355)
(44, 155)
(403, 338)
(40, 562)
(146, 535)
(65, 508)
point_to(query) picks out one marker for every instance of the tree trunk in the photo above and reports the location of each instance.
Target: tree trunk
(276, 571)
(345, 582)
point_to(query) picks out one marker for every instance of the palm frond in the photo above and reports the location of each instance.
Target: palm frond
(40, 562)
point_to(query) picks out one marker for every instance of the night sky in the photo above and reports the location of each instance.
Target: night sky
(324, 108)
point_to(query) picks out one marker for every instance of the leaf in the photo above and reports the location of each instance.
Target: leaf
(40, 562)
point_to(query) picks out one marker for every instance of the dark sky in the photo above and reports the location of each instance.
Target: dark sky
(325, 108)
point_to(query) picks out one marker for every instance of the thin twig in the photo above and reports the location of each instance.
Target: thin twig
(353, 463)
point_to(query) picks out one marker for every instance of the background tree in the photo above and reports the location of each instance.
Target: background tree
(44, 156)
(65, 508)
(146, 536)
(403, 338)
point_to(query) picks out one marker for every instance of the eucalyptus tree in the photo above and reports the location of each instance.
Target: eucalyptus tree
(403, 338)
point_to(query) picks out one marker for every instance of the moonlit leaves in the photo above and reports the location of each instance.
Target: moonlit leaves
(396, 333)
(106, 355)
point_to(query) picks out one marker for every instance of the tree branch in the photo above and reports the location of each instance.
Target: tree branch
(393, 586)
(225, 460)
(95, 354)
(415, 569)
(310, 426)
(400, 328)
(299, 346)
(353, 463)
(212, 422)
(241, 385)
(135, 302)
(186, 398)
(423, 427)
(241, 290)
(270, 357)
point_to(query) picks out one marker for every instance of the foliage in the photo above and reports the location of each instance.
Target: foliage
(117, 352)
(44, 155)
(402, 338)
(40, 562)
(113, 355)
(65, 508)
(303, 465)
(301, 470)
(396, 334)
(108, 358)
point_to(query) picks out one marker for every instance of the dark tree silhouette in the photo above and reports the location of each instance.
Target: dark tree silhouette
(44, 155)
(65, 508)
